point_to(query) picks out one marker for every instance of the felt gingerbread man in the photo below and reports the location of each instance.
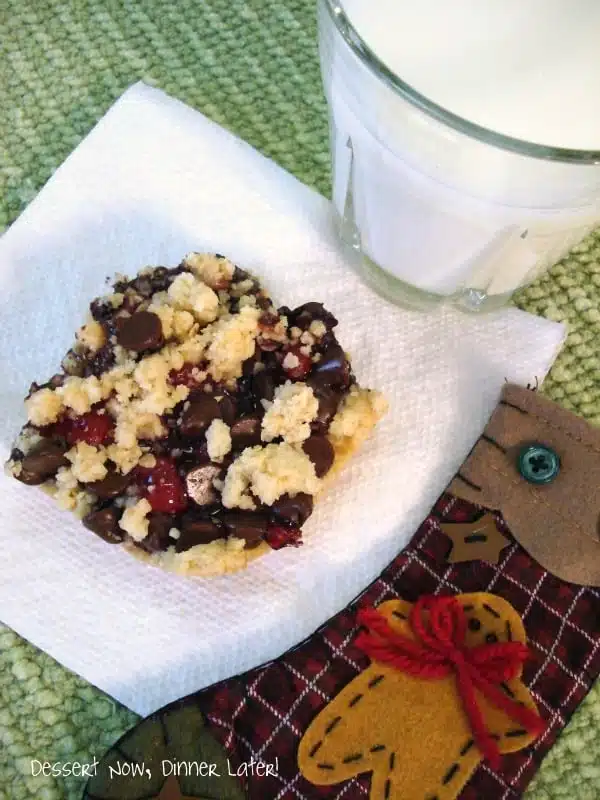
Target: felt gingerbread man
(427, 710)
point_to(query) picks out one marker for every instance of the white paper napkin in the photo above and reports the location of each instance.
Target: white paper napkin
(152, 181)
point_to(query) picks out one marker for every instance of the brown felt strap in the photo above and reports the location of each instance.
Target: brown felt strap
(557, 523)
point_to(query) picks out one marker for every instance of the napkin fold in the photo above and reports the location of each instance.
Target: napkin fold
(153, 180)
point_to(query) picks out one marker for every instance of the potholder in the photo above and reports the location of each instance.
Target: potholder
(355, 697)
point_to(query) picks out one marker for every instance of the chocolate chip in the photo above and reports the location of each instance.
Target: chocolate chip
(228, 408)
(157, 538)
(141, 331)
(100, 362)
(320, 451)
(263, 385)
(245, 431)
(101, 310)
(197, 530)
(293, 510)
(329, 400)
(240, 275)
(248, 525)
(333, 368)
(249, 363)
(199, 484)
(42, 462)
(305, 314)
(203, 408)
(111, 486)
(105, 524)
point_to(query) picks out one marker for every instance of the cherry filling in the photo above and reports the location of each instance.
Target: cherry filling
(278, 536)
(185, 376)
(92, 428)
(301, 364)
(162, 486)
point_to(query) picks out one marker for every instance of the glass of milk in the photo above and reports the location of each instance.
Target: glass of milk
(465, 140)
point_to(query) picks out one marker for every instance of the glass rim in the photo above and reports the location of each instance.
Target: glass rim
(486, 135)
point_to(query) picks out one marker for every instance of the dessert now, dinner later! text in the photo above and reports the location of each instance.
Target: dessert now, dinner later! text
(167, 767)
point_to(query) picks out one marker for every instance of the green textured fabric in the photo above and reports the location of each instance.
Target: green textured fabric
(252, 66)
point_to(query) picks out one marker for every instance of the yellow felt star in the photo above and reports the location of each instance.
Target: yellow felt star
(475, 540)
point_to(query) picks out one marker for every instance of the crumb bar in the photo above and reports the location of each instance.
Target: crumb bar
(192, 421)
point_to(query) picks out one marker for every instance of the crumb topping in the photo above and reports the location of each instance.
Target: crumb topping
(88, 462)
(233, 341)
(43, 407)
(268, 473)
(188, 294)
(293, 408)
(215, 271)
(361, 409)
(91, 335)
(135, 520)
(218, 440)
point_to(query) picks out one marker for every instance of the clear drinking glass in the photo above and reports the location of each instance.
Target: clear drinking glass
(433, 207)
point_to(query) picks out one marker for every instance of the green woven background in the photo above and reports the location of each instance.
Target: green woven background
(252, 66)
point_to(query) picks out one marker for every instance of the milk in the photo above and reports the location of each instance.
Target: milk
(440, 210)
(529, 69)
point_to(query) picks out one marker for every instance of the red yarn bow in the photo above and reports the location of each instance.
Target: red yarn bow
(439, 650)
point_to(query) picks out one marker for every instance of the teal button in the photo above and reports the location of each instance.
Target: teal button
(538, 464)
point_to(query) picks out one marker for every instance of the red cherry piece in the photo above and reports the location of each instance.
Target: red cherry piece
(162, 486)
(93, 428)
(278, 536)
(302, 368)
(184, 376)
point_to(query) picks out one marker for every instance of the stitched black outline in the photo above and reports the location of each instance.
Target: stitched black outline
(354, 757)
(355, 699)
(491, 611)
(375, 681)
(466, 747)
(334, 722)
(493, 442)
(512, 405)
(324, 765)
(377, 748)
(315, 749)
(451, 773)
(468, 482)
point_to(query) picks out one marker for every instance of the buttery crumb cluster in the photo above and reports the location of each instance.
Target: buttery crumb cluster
(192, 419)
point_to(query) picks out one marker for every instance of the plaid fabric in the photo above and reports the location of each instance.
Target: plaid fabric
(264, 713)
